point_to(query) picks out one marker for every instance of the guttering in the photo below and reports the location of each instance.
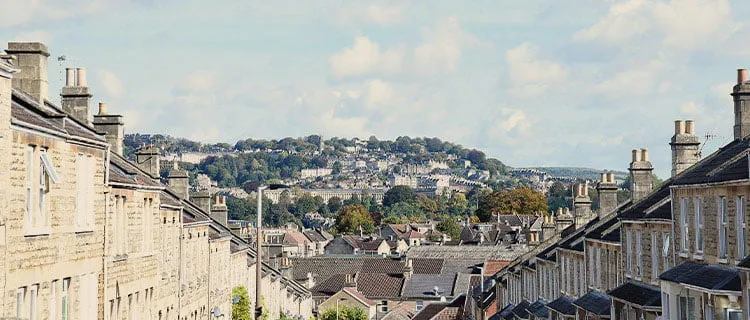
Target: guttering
(137, 186)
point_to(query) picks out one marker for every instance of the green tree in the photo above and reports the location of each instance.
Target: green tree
(345, 313)
(335, 204)
(241, 309)
(404, 209)
(352, 217)
(450, 227)
(336, 169)
(520, 201)
(399, 194)
(458, 204)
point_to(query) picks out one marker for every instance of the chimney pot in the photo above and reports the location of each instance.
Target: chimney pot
(603, 177)
(102, 108)
(636, 155)
(82, 78)
(679, 127)
(689, 127)
(741, 75)
(644, 154)
(611, 177)
(70, 77)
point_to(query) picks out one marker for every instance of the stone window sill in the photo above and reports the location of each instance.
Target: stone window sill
(684, 254)
(722, 261)
(698, 256)
(38, 231)
(120, 257)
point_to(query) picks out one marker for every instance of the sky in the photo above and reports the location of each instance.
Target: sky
(553, 82)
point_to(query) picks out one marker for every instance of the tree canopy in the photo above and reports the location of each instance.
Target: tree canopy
(241, 309)
(352, 217)
(519, 201)
(345, 313)
(399, 194)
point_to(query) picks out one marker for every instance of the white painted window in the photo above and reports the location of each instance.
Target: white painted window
(64, 299)
(709, 311)
(687, 308)
(85, 191)
(654, 255)
(39, 175)
(665, 305)
(698, 225)
(20, 302)
(598, 267)
(628, 253)
(33, 295)
(638, 255)
(52, 315)
(684, 224)
(576, 271)
(722, 221)
(741, 227)
(591, 264)
(665, 251)
(420, 305)
(30, 164)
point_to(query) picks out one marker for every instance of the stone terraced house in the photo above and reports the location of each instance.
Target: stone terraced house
(88, 234)
(676, 251)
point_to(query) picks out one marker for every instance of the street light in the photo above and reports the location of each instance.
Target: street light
(258, 244)
(337, 307)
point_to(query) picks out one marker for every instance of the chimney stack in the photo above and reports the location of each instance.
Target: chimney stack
(177, 179)
(408, 269)
(741, 97)
(147, 158)
(685, 145)
(607, 194)
(219, 210)
(202, 199)
(32, 60)
(582, 205)
(641, 177)
(563, 219)
(548, 227)
(75, 95)
(112, 126)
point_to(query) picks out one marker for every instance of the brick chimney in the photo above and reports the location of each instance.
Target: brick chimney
(563, 219)
(548, 227)
(147, 158)
(112, 126)
(408, 269)
(219, 210)
(641, 177)
(582, 204)
(75, 95)
(607, 189)
(685, 145)
(32, 61)
(202, 199)
(177, 179)
(741, 95)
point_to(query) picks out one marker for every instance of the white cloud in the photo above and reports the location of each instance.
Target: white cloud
(111, 84)
(525, 67)
(439, 51)
(511, 127)
(381, 12)
(681, 24)
(378, 94)
(691, 108)
(365, 58)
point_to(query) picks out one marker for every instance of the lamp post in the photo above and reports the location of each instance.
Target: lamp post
(337, 307)
(259, 246)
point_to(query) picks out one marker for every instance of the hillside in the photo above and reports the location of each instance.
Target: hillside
(580, 173)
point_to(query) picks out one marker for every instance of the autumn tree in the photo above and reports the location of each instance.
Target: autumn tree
(519, 201)
(351, 217)
(450, 227)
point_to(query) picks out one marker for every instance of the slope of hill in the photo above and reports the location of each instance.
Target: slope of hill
(580, 173)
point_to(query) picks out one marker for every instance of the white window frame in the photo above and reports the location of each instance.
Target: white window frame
(591, 265)
(741, 228)
(628, 253)
(638, 255)
(20, 302)
(666, 242)
(65, 299)
(85, 171)
(723, 228)
(684, 224)
(654, 256)
(33, 302)
(699, 221)
(419, 305)
(599, 267)
(665, 305)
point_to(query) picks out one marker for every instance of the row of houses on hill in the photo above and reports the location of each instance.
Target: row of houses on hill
(676, 251)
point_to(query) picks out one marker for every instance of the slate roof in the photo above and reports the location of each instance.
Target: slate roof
(505, 313)
(699, 173)
(48, 116)
(356, 294)
(295, 238)
(539, 309)
(745, 263)
(461, 266)
(595, 303)
(422, 285)
(123, 171)
(382, 266)
(638, 294)
(427, 265)
(442, 310)
(520, 310)
(638, 210)
(563, 305)
(429, 311)
(711, 277)
(314, 236)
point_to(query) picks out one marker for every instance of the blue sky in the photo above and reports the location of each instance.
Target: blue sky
(555, 82)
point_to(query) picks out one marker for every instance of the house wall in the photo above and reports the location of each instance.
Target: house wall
(194, 274)
(60, 251)
(219, 266)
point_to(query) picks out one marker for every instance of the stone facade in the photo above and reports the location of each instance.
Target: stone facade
(87, 234)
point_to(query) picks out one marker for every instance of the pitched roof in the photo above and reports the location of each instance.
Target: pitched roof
(383, 266)
(711, 277)
(357, 295)
(745, 263)
(595, 303)
(638, 294)
(123, 171)
(27, 110)
(314, 236)
(427, 265)
(295, 238)
(442, 310)
(563, 305)
(520, 310)
(422, 285)
(370, 285)
(705, 170)
(493, 266)
(539, 309)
